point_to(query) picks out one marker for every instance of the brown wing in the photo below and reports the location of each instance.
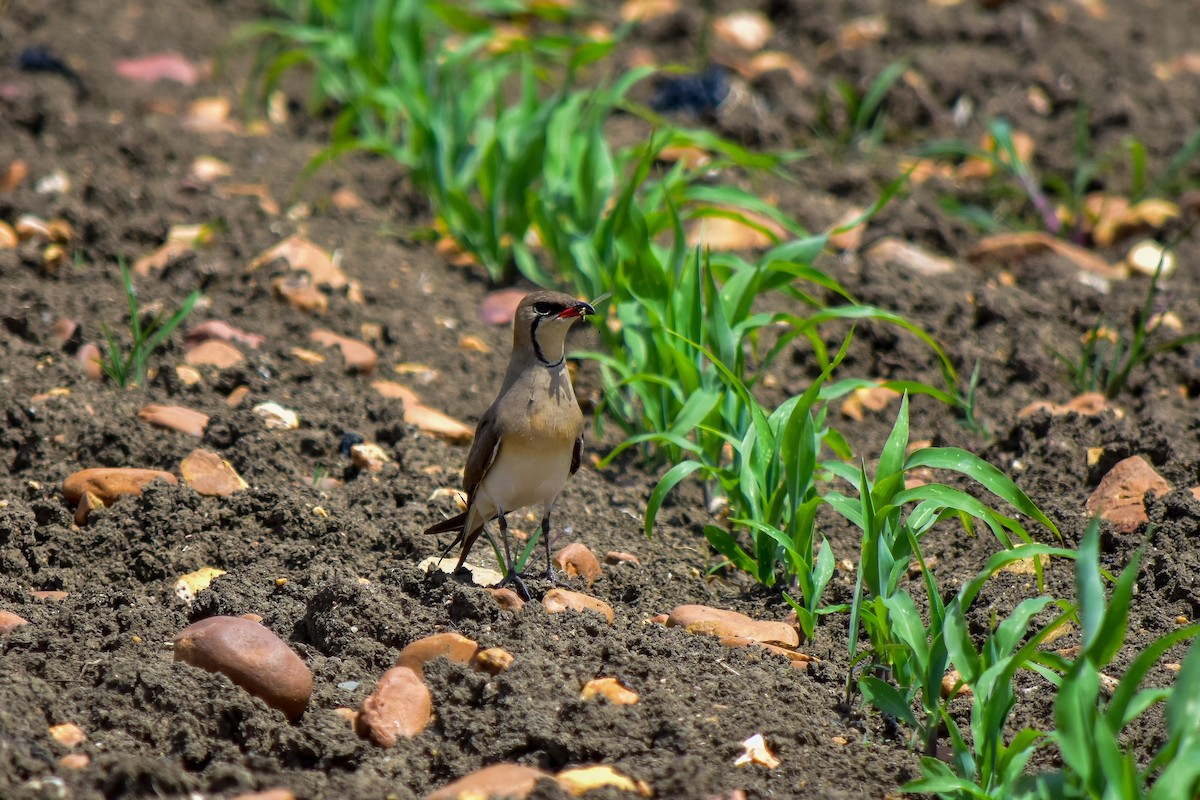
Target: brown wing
(577, 455)
(483, 452)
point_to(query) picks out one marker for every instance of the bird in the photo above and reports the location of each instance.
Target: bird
(530, 439)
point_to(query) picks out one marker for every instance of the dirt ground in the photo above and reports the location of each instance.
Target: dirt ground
(341, 584)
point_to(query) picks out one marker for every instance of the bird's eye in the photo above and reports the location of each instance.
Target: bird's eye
(544, 309)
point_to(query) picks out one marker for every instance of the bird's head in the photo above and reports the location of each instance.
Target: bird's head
(542, 321)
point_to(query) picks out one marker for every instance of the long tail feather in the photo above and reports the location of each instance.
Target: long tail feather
(454, 523)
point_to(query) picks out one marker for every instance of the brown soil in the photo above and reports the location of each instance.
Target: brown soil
(343, 589)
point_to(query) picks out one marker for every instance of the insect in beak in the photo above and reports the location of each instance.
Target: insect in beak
(580, 309)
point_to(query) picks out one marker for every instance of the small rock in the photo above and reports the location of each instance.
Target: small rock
(221, 331)
(577, 560)
(427, 419)
(499, 307)
(278, 793)
(304, 256)
(578, 781)
(189, 585)
(206, 169)
(873, 398)
(91, 358)
(358, 356)
(557, 601)
(1146, 256)
(797, 659)
(188, 376)
(276, 417)
(64, 329)
(757, 753)
(176, 418)
(848, 238)
(1119, 498)
(421, 373)
(68, 734)
(507, 599)
(749, 232)
(892, 251)
(298, 291)
(492, 660)
(345, 199)
(252, 657)
(400, 706)
(748, 30)
(75, 761)
(480, 576)
(307, 356)
(95, 488)
(1087, 404)
(720, 622)
(235, 398)
(473, 344)
(610, 689)
(615, 557)
(9, 622)
(492, 783)
(214, 353)
(1026, 566)
(368, 456)
(208, 474)
(952, 685)
(13, 175)
(1006, 248)
(453, 646)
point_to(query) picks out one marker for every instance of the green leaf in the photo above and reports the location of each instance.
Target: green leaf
(891, 458)
(988, 476)
(665, 484)
(1183, 707)
(1075, 718)
(908, 628)
(937, 778)
(1089, 590)
(724, 543)
(960, 645)
(887, 699)
(1181, 778)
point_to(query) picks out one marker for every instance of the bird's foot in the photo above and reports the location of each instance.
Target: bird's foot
(515, 579)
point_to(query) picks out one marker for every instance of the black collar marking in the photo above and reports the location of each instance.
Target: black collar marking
(537, 347)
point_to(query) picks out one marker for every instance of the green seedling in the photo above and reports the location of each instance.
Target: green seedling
(1007, 161)
(993, 762)
(1047, 193)
(907, 657)
(128, 367)
(1087, 728)
(1168, 182)
(770, 484)
(865, 117)
(986, 765)
(1107, 358)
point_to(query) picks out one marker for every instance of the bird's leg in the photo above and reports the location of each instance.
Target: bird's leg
(510, 571)
(550, 573)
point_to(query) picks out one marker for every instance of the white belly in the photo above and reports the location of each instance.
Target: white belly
(523, 475)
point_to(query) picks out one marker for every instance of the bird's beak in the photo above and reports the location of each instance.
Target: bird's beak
(580, 309)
